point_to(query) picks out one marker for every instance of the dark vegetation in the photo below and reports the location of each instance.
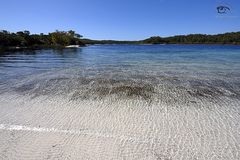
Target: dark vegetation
(227, 38)
(60, 39)
(23, 39)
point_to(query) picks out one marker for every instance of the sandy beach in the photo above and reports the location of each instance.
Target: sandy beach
(113, 128)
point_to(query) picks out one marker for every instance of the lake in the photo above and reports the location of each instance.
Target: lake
(121, 101)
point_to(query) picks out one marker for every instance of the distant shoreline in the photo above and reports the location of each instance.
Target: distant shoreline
(23, 40)
(16, 48)
(232, 38)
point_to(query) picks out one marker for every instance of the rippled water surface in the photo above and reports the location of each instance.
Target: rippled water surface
(115, 69)
(121, 102)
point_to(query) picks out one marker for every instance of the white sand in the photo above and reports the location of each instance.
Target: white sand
(56, 128)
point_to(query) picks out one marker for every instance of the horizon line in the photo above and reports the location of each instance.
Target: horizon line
(186, 34)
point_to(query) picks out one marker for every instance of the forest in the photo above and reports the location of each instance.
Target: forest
(60, 39)
(226, 38)
(23, 39)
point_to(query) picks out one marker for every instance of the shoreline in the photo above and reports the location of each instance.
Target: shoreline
(16, 48)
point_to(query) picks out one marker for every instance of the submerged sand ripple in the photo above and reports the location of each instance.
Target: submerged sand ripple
(56, 128)
(147, 87)
(102, 117)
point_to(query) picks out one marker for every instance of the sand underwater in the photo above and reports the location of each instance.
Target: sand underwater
(106, 103)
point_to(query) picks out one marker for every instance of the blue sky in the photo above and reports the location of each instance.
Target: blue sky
(119, 19)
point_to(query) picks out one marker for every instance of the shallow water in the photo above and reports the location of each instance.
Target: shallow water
(121, 102)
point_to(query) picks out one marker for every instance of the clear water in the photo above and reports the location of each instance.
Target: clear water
(121, 102)
(208, 70)
(159, 58)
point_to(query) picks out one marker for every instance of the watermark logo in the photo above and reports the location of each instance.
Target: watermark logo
(226, 11)
(223, 9)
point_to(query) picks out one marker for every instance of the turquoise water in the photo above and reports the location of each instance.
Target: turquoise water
(203, 70)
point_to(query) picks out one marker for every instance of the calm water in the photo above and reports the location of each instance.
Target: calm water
(121, 102)
(209, 70)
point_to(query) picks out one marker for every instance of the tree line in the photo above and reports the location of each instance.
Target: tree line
(227, 38)
(23, 39)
